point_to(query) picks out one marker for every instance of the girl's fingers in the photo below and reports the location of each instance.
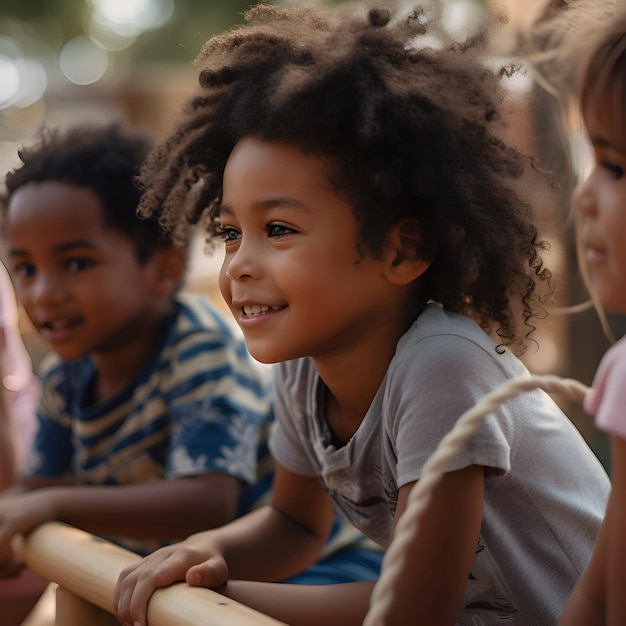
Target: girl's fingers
(137, 583)
(211, 573)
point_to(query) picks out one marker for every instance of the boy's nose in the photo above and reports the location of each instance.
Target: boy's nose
(46, 289)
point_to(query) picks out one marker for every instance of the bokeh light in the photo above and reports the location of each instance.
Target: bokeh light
(33, 82)
(129, 18)
(9, 80)
(83, 61)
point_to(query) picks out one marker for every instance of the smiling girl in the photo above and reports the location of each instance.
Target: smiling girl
(601, 202)
(379, 250)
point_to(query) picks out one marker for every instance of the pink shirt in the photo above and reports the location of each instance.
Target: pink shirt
(15, 365)
(607, 399)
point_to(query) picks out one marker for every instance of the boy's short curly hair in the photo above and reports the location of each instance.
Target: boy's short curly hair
(104, 158)
(407, 132)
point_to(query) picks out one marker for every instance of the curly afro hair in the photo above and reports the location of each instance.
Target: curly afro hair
(407, 132)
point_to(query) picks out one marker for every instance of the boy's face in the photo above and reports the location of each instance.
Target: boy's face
(80, 282)
(602, 202)
(293, 275)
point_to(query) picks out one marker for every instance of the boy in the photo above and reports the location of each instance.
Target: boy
(152, 410)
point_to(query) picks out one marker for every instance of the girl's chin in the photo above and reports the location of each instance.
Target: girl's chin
(268, 354)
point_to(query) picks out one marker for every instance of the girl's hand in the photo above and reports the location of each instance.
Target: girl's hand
(194, 560)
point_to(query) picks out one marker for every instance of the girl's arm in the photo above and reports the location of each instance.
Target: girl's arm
(437, 562)
(430, 591)
(616, 542)
(586, 604)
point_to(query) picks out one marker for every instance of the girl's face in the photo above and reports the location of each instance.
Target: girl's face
(79, 281)
(292, 274)
(602, 202)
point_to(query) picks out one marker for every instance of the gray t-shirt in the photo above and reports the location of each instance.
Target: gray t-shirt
(545, 491)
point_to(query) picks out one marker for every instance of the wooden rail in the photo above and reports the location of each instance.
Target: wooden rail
(86, 569)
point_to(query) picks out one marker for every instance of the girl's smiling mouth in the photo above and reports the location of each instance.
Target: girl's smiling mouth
(255, 310)
(594, 254)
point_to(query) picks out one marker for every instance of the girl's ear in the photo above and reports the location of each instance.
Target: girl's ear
(171, 265)
(403, 254)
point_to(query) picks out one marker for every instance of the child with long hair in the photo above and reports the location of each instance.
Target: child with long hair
(380, 248)
(599, 598)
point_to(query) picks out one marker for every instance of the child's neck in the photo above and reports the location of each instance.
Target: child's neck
(353, 378)
(116, 369)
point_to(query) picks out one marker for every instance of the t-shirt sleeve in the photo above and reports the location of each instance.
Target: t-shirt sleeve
(219, 405)
(607, 398)
(431, 393)
(292, 426)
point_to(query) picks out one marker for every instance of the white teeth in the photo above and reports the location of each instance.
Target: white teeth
(255, 309)
(258, 309)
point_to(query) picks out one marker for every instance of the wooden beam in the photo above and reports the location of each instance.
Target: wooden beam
(89, 567)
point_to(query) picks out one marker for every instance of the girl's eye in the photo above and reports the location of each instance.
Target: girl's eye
(615, 170)
(79, 265)
(278, 230)
(229, 234)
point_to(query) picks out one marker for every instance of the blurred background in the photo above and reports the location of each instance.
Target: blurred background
(64, 61)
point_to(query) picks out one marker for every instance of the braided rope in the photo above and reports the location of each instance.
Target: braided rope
(383, 595)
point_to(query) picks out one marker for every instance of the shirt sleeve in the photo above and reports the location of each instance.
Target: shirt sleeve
(607, 398)
(432, 393)
(294, 388)
(220, 408)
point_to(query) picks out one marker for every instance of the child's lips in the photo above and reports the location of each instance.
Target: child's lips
(60, 329)
(594, 255)
(251, 315)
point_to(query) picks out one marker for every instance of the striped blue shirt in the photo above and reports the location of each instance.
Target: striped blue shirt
(200, 404)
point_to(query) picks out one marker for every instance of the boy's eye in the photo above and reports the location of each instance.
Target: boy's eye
(24, 270)
(278, 230)
(79, 265)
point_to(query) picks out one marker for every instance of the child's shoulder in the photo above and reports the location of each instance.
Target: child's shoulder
(436, 321)
(440, 340)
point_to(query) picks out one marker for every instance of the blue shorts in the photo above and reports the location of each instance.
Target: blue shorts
(346, 566)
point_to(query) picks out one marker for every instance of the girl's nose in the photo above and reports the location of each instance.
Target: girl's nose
(242, 264)
(584, 198)
(234, 274)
